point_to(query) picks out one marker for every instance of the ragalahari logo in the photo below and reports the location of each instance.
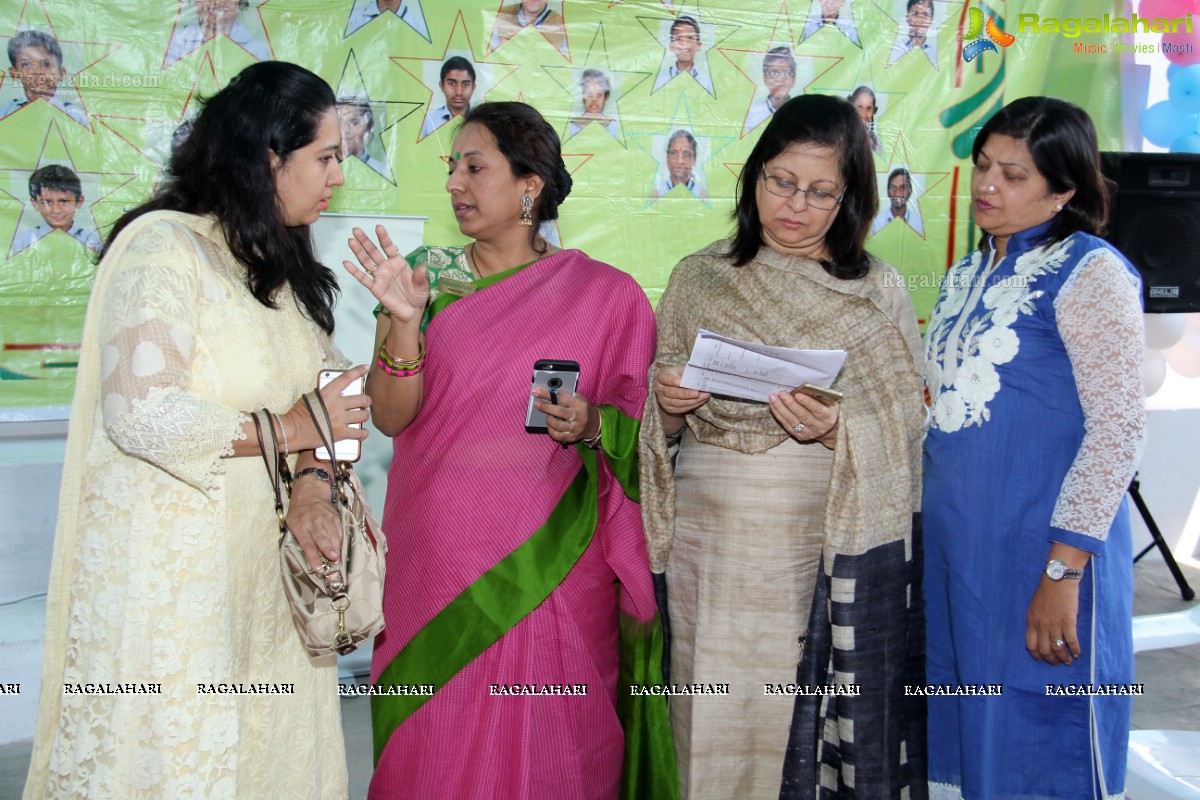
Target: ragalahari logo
(981, 37)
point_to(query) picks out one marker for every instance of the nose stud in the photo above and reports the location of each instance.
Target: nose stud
(992, 188)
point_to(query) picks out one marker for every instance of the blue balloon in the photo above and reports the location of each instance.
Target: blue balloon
(1162, 123)
(1184, 89)
(1172, 68)
(1188, 143)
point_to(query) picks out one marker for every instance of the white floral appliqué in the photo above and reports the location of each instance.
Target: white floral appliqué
(972, 332)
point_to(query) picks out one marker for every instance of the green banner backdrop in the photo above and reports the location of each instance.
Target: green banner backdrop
(98, 91)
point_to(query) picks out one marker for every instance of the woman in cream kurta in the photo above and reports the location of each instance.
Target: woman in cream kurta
(186, 600)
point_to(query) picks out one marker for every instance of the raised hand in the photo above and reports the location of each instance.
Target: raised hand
(381, 268)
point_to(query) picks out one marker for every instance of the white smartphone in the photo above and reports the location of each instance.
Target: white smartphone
(560, 377)
(345, 449)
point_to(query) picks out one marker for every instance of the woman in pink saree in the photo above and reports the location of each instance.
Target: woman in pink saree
(519, 604)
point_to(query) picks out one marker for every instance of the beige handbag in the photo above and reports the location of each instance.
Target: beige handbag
(340, 605)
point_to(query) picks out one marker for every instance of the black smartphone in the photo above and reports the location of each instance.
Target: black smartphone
(559, 377)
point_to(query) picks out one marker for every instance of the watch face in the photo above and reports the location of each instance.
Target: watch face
(1055, 569)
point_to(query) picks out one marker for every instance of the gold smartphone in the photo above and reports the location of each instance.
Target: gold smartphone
(820, 393)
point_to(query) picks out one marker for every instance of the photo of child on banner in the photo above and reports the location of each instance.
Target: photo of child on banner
(901, 192)
(36, 68)
(779, 79)
(455, 85)
(407, 11)
(56, 194)
(357, 120)
(686, 40)
(833, 14)
(678, 167)
(545, 16)
(592, 104)
(918, 31)
(867, 105)
(202, 21)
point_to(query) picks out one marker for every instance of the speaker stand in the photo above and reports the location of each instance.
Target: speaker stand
(1158, 541)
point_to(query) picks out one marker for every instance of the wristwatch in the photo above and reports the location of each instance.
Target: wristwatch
(1057, 570)
(320, 475)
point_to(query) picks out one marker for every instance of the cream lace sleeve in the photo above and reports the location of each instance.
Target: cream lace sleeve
(1100, 321)
(147, 327)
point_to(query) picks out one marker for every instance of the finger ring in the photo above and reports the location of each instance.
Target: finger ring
(573, 414)
(1059, 642)
(370, 271)
(799, 427)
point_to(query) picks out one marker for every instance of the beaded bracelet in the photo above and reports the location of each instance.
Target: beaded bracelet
(399, 373)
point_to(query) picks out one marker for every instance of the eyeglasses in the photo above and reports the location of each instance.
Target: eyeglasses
(817, 198)
(685, 39)
(777, 74)
(918, 12)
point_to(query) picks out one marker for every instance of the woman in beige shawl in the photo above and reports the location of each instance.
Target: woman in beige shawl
(785, 528)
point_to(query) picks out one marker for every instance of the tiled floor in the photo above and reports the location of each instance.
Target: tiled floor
(1171, 678)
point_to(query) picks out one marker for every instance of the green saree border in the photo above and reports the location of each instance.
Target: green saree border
(492, 605)
(619, 440)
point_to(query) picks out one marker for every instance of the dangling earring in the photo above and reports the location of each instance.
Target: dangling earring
(526, 212)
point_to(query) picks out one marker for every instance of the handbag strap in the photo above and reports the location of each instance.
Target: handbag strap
(277, 468)
(320, 415)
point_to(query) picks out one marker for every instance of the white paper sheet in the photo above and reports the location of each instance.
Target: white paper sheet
(752, 371)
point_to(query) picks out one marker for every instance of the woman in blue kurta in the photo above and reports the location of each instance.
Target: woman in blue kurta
(1033, 365)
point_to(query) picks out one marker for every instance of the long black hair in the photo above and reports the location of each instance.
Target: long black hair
(830, 122)
(223, 168)
(1062, 140)
(532, 147)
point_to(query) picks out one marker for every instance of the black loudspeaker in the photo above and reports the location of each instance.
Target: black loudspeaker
(1155, 222)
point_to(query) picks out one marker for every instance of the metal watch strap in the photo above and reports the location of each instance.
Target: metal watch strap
(1057, 570)
(320, 475)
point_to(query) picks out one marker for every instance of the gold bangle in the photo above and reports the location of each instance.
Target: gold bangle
(402, 363)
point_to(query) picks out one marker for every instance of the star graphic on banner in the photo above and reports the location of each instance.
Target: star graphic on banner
(405, 12)
(58, 86)
(680, 156)
(156, 137)
(777, 70)
(427, 72)
(204, 23)
(32, 225)
(595, 81)
(832, 15)
(512, 21)
(687, 41)
(364, 120)
(919, 184)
